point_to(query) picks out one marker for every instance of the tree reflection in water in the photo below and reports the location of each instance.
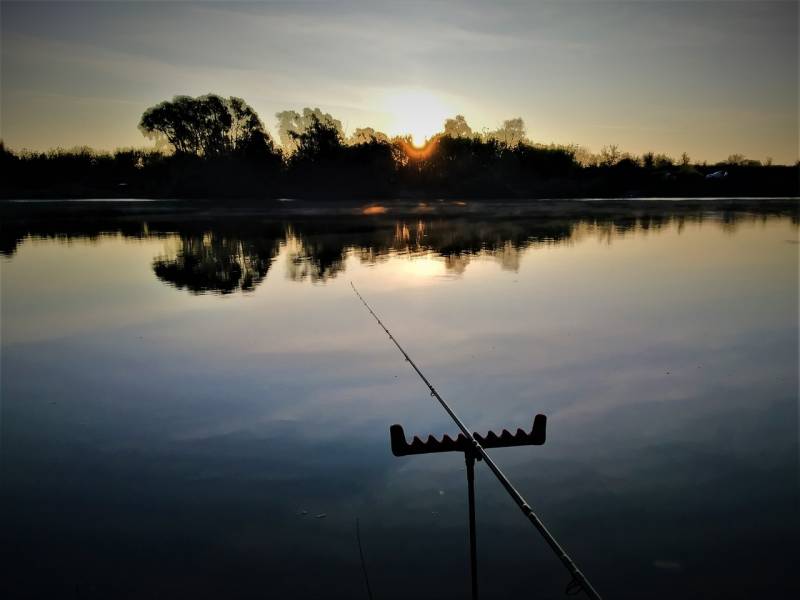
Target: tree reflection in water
(317, 258)
(212, 263)
(233, 254)
(224, 264)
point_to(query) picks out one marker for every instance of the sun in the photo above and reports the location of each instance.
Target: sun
(416, 112)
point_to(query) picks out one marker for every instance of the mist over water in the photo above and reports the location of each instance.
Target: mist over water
(202, 408)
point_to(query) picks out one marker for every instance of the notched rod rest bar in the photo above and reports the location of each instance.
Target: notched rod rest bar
(479, 451)
(506, 439)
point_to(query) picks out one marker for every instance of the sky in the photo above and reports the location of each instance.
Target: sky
(709, 78)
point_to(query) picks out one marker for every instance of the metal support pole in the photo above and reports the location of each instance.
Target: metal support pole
(469, 458)
(579, 580)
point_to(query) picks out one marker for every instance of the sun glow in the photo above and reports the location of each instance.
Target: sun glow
(416, 112)
(416, 152)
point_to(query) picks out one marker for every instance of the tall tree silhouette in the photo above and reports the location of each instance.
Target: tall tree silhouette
(457, 127)
(207, 126)
(320, 141)
(511, 133)
(291, 124)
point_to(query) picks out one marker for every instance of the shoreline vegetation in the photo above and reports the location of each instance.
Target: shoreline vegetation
(215, 147)
(353, 218)
(224, 248)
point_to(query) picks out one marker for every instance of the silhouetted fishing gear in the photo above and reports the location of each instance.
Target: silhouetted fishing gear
(506, 439)
(476, 449)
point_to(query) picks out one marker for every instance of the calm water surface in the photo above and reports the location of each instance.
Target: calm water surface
(203, 410)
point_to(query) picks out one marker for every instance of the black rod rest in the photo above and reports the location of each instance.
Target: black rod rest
(477, 451)
(535, 437)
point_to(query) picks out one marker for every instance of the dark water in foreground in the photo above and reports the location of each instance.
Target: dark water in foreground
(202, 409)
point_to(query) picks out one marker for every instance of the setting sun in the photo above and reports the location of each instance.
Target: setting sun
(416, 112)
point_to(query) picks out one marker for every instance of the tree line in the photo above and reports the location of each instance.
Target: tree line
(215, 147)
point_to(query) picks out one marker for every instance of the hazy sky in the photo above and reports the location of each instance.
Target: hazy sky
(708, 78)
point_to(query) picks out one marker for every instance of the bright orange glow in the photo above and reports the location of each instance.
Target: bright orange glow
(374, 210)
(416, 153)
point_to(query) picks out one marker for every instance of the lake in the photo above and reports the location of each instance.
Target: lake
(198, 405)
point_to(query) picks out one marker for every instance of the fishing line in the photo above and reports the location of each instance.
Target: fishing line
(363, 564)
(579, 579)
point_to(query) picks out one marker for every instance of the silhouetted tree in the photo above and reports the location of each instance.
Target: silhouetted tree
(511, 133)
(740, 160)
(583, 156)
(247, 136)
(457, 127)
(544, 161)
(7, 158)
(610, 155)
(291, 124)
(320, 140)
(662, 161)
(221, 150)
(366, 135)
(192, 125)
(207, 126)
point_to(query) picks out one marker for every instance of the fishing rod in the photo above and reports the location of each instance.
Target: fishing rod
(579, 580)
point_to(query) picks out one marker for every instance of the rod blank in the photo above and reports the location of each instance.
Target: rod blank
(577, 575)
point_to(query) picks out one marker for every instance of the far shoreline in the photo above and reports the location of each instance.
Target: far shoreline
(22, 209)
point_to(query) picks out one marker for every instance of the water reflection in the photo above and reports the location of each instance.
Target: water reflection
(235, 254)
(213, 263)
(317, 257)
(209, 264)
(169, 433)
